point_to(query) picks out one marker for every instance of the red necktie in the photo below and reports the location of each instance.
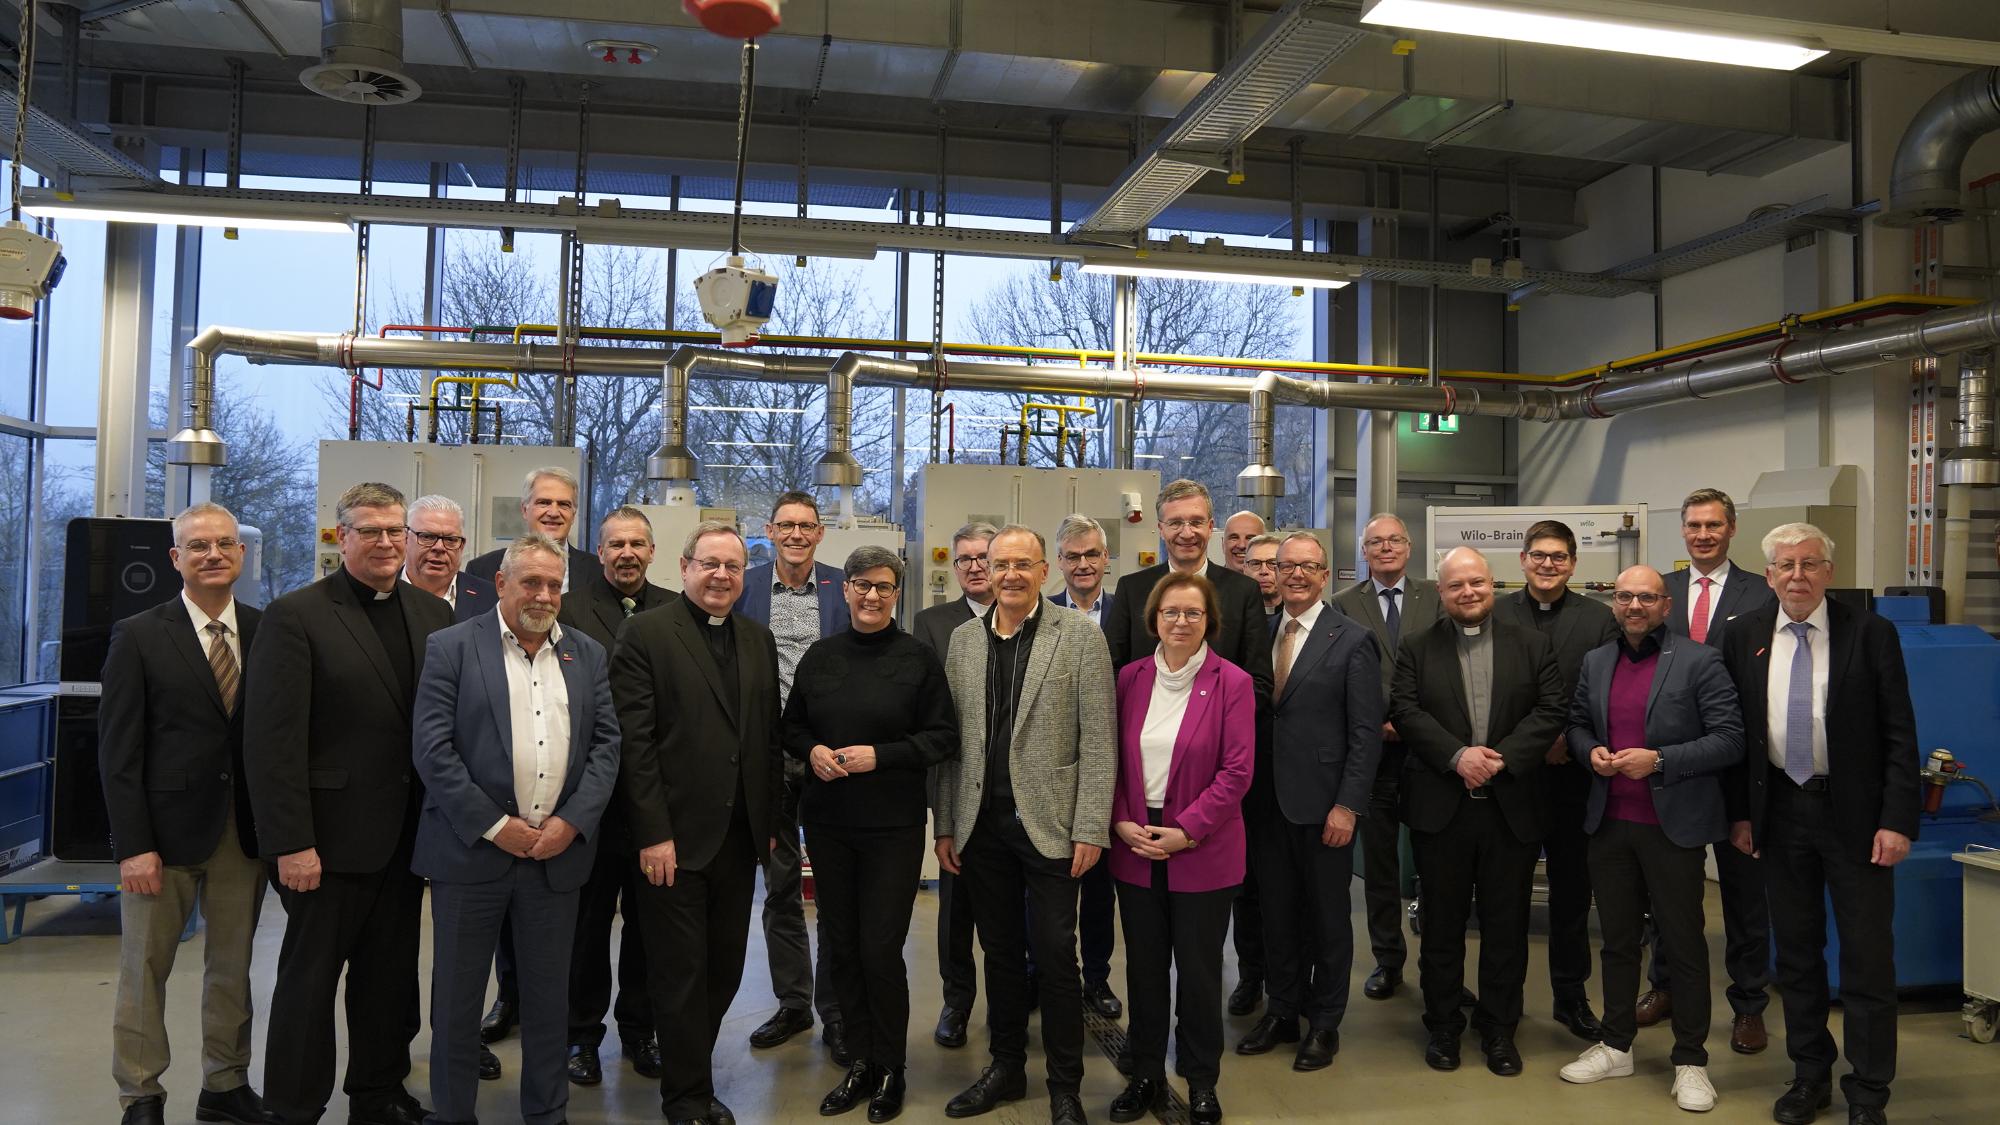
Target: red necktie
(1698, 628)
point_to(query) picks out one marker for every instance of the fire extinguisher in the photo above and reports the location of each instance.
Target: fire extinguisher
(1940, 772)
(735, 19)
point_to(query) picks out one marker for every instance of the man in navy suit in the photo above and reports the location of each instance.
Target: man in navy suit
(549, 505)
(1706, 597)
(800, 601)
(516, 741)
(1083, 558)
(1655, 720)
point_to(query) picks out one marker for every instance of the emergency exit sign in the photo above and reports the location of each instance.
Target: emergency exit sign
(1437, 423)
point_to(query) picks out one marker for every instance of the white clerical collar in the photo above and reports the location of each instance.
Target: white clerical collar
(1472, 630)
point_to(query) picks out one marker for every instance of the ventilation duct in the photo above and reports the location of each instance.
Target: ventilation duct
(361, 54)
(1925, 183)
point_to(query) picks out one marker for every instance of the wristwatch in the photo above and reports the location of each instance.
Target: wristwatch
(1659, 762)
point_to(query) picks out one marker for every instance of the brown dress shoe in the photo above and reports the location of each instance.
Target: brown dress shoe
(1748, 1037)
(1653, 1007)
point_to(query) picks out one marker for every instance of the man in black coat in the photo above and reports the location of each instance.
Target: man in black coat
(696, 686)
(170, 751)
(327, 750)
(1477, 700)
(1574, 624)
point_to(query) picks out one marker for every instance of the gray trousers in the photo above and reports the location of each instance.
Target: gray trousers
(797, 979)
(230, 889)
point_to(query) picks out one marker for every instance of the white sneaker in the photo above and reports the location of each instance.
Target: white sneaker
(1692, 1090)
(1599, 1062)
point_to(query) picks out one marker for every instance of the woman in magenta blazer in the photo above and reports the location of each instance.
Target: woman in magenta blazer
(1187, 732)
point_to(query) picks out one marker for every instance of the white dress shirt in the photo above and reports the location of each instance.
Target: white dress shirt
(1306, 621)
(1164, 713)
(979, 610)
(1778, 685)
(201, 619)
(538, 714)
(1719, 577)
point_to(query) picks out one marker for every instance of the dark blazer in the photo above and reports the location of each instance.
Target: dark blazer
(1745, 591)
(933, 624)
(464, 753)
(1327, 724)
(482, 569)
(1243, 641)
(593, 607)
(170, 756)
(686, 744)
(756, 600)
(1105, 600)
(1429, 709)
(1692, 719)
(1584, 625)
(1212, 759)
(476, 596)
(327, 730)
(1421, 606)
(1871, 727)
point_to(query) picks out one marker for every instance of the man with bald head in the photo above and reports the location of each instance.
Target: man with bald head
(1656, 722)
(1477, 700)
(1237, 532)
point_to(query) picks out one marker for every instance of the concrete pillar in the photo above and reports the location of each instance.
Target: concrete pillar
(125, 374)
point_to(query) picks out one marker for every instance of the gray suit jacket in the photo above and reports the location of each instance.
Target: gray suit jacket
(1421, 608)
(1063, 757)
(1692, 719)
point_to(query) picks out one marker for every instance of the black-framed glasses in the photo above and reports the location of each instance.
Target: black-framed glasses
(1628, 597)
(1549, 558)
(880, 589)
(794, 527)
(433, 539)
(1260, 564)
(1306, 567)
(967, 562)
(380, 534)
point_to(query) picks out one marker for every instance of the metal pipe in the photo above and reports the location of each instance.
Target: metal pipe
(1974, 463)
(1924, 181)
(837, 467)
(1260, 480)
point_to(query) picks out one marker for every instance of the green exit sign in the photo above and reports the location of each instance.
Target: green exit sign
(1437, 423)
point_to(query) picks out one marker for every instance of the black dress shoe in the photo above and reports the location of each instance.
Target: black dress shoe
(1268, 1033)
(1204, 1108)
(1141, 1097)
(950, 1027)
(1382, 983)
(1802, 1103)
(1317, 1049)
(403, 1110)
(646, 1058)
(718, 1114)
(835, 1037)
(854, 1086)
(489, 1065)
(145, 1111)
(887, 1102)
(1866, 1115)
(1244, 997)
(241, 1105)
(498, 1021)
(1581, 1021)
(1066, 1109)
(585, 1068)
(995, 1084)
(1441, 1053)
(1100, 999)
(687, 1121)
(787, 1023)
(1502, 1057)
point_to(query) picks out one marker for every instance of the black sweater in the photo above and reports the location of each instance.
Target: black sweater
(881, 689)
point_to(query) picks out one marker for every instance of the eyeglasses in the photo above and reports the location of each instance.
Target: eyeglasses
(1381, 541)
(203, 546)
(379, 534)
(1802, 566)
(1198, 523)
(1548, 558)
(865, 588)
(1191, 616)
(1074, 557)
(1306, 567)
(1627, 597)
(968, 562)
(790, 527)
(1014, 566)
(433, 539)
(709, 566)
(1259, 564)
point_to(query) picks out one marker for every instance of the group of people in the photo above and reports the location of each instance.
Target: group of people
(551, 740)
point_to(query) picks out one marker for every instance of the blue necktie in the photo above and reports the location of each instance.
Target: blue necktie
(1799, 708)
(1394, 616)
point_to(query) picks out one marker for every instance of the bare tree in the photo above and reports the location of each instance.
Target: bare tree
(268, 484)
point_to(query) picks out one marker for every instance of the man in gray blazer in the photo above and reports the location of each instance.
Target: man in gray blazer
(1656, 721)
(1027, 805)
(1393, 604)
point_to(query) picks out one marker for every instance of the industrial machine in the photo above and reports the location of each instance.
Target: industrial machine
(671, 524)
(737, 299)
(1609, 538)
(30, 267)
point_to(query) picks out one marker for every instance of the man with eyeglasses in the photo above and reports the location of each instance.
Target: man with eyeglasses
(957, 971)
(436, 552)
(327, 737)
(549, 504)
(1393, 604)
(170, 752)
(701, 776)
(1828, 796)
(1708, 594)
(1237, 532)
(1082, 556)
(1260, 562)
(1575, 624)
(801, 601)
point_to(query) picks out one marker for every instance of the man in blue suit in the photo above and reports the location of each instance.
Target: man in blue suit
(516, 741)
(1655, 720)
(800, 601)
(1083, 557)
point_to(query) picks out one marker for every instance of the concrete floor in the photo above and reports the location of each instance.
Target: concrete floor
(55, 1006)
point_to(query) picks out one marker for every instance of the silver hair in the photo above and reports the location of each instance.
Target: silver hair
(1306, 536)
(443, 505)
(708, 527)
(1181, 490)
(372, 494)
(1077, 526)
(1791, 535)
(626, 512)
(1269, 538)
(1388, 516)
(528, 543)
(1041, 544)
(867, 558)
(554, 472)
(1261, 525)
(195, 511)
(977, 529)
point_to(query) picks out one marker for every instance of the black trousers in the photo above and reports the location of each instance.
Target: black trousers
(698, 930)
(1566, 856)
(866, 885)
(799, 978)
(1746, 933)
(1476, 852)
(1639, 870)
(615, 875)
(1246, 913)
(1096, 923)
(369, 926)
(1805, 864)
(1173, 940)
(1000, 865)
(1380, 833)
(1307, 924)
(956, 970)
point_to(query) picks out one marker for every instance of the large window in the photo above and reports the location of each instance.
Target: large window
(14, 494)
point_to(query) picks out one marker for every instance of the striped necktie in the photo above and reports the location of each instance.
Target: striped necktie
(222, 662)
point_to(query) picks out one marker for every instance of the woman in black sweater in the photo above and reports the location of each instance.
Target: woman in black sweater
(869, 713)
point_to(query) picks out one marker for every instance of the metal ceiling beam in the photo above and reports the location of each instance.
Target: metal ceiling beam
(61, 148)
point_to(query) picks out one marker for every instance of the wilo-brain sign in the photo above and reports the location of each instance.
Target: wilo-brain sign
(1501, 534)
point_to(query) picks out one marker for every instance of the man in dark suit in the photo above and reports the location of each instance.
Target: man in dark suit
(800, 600)
(517, 747)
(1574, 624)
(1326, 736)
(436, 554)
(1260, 564)
(932, 627)
(696, 687)
(1478, 700)
(170, 750)
(549, 504)
(1828, 796)
(1707, 595)
(1654, 717)
(1393, 604)
(599, 608)
(326, 747)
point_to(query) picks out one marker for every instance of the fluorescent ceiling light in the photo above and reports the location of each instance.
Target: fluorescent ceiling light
(170, 218)
(1596, 33)
(1143, 269)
